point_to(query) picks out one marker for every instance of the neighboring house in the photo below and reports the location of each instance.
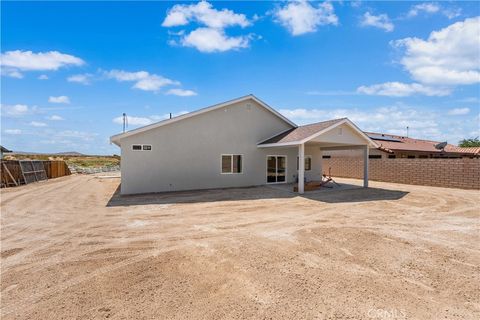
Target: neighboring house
(393, 146)
(239, 143)
(3, 150)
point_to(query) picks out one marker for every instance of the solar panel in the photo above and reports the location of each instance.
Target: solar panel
(383, 138)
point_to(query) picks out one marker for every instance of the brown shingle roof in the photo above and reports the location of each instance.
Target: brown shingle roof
(301, 132)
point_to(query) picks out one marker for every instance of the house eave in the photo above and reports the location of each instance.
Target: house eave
(116, 138)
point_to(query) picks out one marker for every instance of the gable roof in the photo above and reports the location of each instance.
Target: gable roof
(299, 133)
(5, 150)
(116, 138)
(307, 132)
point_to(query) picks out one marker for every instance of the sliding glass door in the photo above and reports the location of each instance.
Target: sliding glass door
(276, 169)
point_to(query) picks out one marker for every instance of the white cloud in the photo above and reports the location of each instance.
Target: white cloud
(212, 37)
(427, 7)
(355, 3)
(38, 124)
(143, 121)
(143, 80)
(81, 78)
(399, 89)
(422, 123)
(451, 13)
(381, 21)
(300, 17)
(15, 61)
(59, 99)
(16, 110)
(386, 119)
(182, 92)
(134, 121)
(450, 56)
(213, 40)
(82, 135)
(13, 131)
(43, 77)
(55, 118)
(203, 13)
(469, 100)
(12, 73)
(458, 111)
(432, 8)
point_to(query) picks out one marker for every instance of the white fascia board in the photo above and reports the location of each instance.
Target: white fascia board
(284, 144)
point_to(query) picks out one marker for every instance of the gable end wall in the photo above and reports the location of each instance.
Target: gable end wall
(186, 155)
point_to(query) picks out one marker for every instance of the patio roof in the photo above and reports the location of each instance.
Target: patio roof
(305, 133)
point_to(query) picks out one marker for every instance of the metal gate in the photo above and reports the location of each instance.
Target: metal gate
(33, 171)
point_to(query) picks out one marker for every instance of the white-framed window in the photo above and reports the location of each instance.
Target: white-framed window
(232, 163)
(141, 147)
(308, 163)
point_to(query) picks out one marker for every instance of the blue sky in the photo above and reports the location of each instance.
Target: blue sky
(70, 69)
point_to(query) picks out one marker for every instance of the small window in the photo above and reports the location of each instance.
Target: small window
(137, 147)
(391, 156)
(423, 156)
(375, 156)
(326, 157)
(411, 156)
(308, 163)
(231, 163)
(147, 147)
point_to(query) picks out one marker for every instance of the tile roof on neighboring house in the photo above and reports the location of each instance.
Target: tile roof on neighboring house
(302, 132)
(470, 150)
(391, 143)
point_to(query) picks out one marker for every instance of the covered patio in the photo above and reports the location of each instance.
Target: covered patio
(338, 134)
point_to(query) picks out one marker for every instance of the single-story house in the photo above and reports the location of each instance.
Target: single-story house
(3, 150)
(238, 143)
(392, 146)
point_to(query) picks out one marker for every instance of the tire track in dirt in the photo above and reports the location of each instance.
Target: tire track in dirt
(29, 303)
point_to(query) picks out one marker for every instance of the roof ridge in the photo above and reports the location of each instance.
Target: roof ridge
(331, 120)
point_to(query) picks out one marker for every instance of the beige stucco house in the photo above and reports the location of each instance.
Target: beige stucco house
(238, 143)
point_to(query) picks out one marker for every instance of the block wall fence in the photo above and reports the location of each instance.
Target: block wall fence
(461, 173)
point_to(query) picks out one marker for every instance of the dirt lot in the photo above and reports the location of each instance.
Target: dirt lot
(71, 249)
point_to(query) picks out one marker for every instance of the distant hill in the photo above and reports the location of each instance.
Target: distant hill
(67, 153)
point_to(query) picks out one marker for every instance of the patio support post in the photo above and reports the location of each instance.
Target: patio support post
(365, 167)
(301, 168)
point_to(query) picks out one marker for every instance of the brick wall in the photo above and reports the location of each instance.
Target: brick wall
(453, 173)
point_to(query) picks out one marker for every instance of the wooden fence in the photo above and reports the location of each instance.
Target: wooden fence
(53, 169)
